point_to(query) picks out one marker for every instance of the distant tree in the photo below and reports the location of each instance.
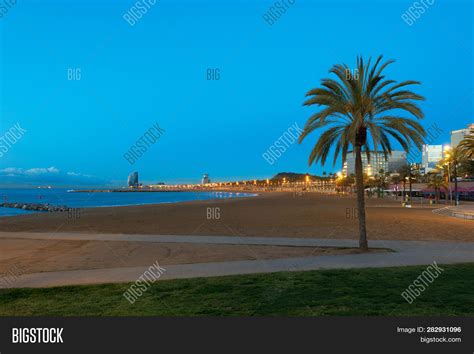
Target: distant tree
(395, 179)
(351, 181)
(454, 157)
(443, 170)
(381, 182)
(437, 182)
(406, 174)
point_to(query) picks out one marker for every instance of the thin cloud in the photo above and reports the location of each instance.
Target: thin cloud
(37, 176)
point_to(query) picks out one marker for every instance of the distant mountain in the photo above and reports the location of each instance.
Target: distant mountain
(293, 177)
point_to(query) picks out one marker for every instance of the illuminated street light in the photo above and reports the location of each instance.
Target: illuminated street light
(446, 150)
(369, 170)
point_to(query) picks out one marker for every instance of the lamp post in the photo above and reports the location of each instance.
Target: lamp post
(453, 159)
(456, 194)
(449, 184)
(449, 159)
(406, 197)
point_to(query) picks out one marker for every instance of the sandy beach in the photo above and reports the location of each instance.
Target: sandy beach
(35, 256)
(269, 214)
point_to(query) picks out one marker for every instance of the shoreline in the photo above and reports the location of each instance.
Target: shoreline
(43, 208)
(145, 190)
(278, 214)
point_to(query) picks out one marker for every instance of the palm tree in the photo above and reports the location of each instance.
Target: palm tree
(406, 172)
(381, 182)
(395, 179)
(403, 176)
(443, 168)
(437, 182)
(466, 168)
(357, 110)
(454, 157)
(351, 180)
(466, 145)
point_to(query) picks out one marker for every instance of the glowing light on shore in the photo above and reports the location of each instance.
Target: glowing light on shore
(369, 170)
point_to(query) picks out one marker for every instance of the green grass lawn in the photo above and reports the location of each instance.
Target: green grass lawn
(313, 293)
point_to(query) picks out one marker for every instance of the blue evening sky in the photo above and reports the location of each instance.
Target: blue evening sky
(155, 72)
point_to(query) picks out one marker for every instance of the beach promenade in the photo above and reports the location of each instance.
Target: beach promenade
(403, 253)
(269, 233)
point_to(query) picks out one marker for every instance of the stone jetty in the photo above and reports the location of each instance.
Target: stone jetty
(36, 207)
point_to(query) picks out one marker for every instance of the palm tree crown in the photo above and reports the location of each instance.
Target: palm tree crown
(467, 145)
(437, 182)
(357, 108)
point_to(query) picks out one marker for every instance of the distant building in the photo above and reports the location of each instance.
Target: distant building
(377, 162)
(205, 179)
(458, 135)
(431, 155)
(396, 161)
(133, 180)
(417, 168)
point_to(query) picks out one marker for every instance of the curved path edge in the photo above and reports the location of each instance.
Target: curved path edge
(406, 253)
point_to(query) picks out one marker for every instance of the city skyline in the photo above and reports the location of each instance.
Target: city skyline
(109, 84)
(428, 157)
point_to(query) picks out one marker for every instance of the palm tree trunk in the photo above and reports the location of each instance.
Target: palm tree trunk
(409, 196)
(404, 188)
(363, 244)
(456, 198)
(409, 193)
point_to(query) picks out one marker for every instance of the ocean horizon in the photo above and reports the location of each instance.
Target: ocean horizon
(74, 199)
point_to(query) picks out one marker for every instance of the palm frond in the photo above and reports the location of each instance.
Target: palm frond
(355, 109)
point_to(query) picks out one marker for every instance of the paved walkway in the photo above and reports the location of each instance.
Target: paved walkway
(463, 211)
(405, 253)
